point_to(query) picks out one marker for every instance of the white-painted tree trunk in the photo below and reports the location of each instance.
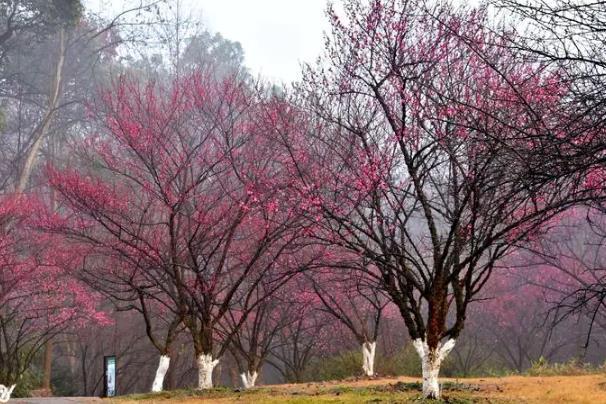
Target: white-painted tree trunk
(206, 365)
(161, 373)
(5, 393)
(248, 379)
(368, 358)
(431, 360)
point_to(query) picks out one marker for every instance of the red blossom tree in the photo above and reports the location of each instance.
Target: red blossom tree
(39, 298)
(108, 273)
(183, 191)
(413, 157)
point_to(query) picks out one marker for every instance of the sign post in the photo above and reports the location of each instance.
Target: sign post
(109, 376)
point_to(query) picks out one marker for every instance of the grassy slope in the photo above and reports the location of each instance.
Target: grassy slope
(514, 389)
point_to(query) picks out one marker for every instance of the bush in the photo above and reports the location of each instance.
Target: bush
(337, 367)
(31, 380)
(573, 367)
(405, 362)
(63, 381)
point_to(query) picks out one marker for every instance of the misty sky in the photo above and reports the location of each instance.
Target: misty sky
(276, 34)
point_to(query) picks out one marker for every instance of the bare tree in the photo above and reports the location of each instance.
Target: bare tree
(358, 303)
(254, 339)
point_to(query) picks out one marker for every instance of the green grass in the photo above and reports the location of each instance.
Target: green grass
(589, 388)
(217, 392)
(390, 393)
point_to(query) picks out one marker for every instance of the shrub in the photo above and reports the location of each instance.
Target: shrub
(405, 362)
(542, 367)
(336, 367)
(30, 380)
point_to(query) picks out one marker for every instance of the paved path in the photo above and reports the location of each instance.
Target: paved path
(55, 400)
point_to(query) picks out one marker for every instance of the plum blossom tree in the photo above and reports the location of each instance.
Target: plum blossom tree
(253, 342)
(307, 335)
(39, 299)
(568, 266)
(356, 302)
(273, 312)
(106, 272)
(567, 35)
(182, 190)
(414, 161)
(5, 393)
(258, 326)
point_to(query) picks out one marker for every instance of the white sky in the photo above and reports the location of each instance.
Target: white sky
(276, 34)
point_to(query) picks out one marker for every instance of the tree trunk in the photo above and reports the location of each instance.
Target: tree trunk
(163, 366)
(368, 358)
(5, 393)
(206, 365)
(248, 379)
(234, 376)
(48, 363)
(40, 131)
(431, 360)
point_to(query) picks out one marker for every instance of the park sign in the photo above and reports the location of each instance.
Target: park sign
(109, 376)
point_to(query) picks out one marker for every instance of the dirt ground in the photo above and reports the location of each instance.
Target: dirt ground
(590, 389)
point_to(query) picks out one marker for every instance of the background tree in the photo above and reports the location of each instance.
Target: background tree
(25, 22)
(38, 298)
(357, 303)
(303, 338)
(568, 266)
(256, 337)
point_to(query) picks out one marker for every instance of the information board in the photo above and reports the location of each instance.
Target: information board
(109, 376)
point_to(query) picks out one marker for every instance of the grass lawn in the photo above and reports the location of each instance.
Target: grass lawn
(512, 389)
